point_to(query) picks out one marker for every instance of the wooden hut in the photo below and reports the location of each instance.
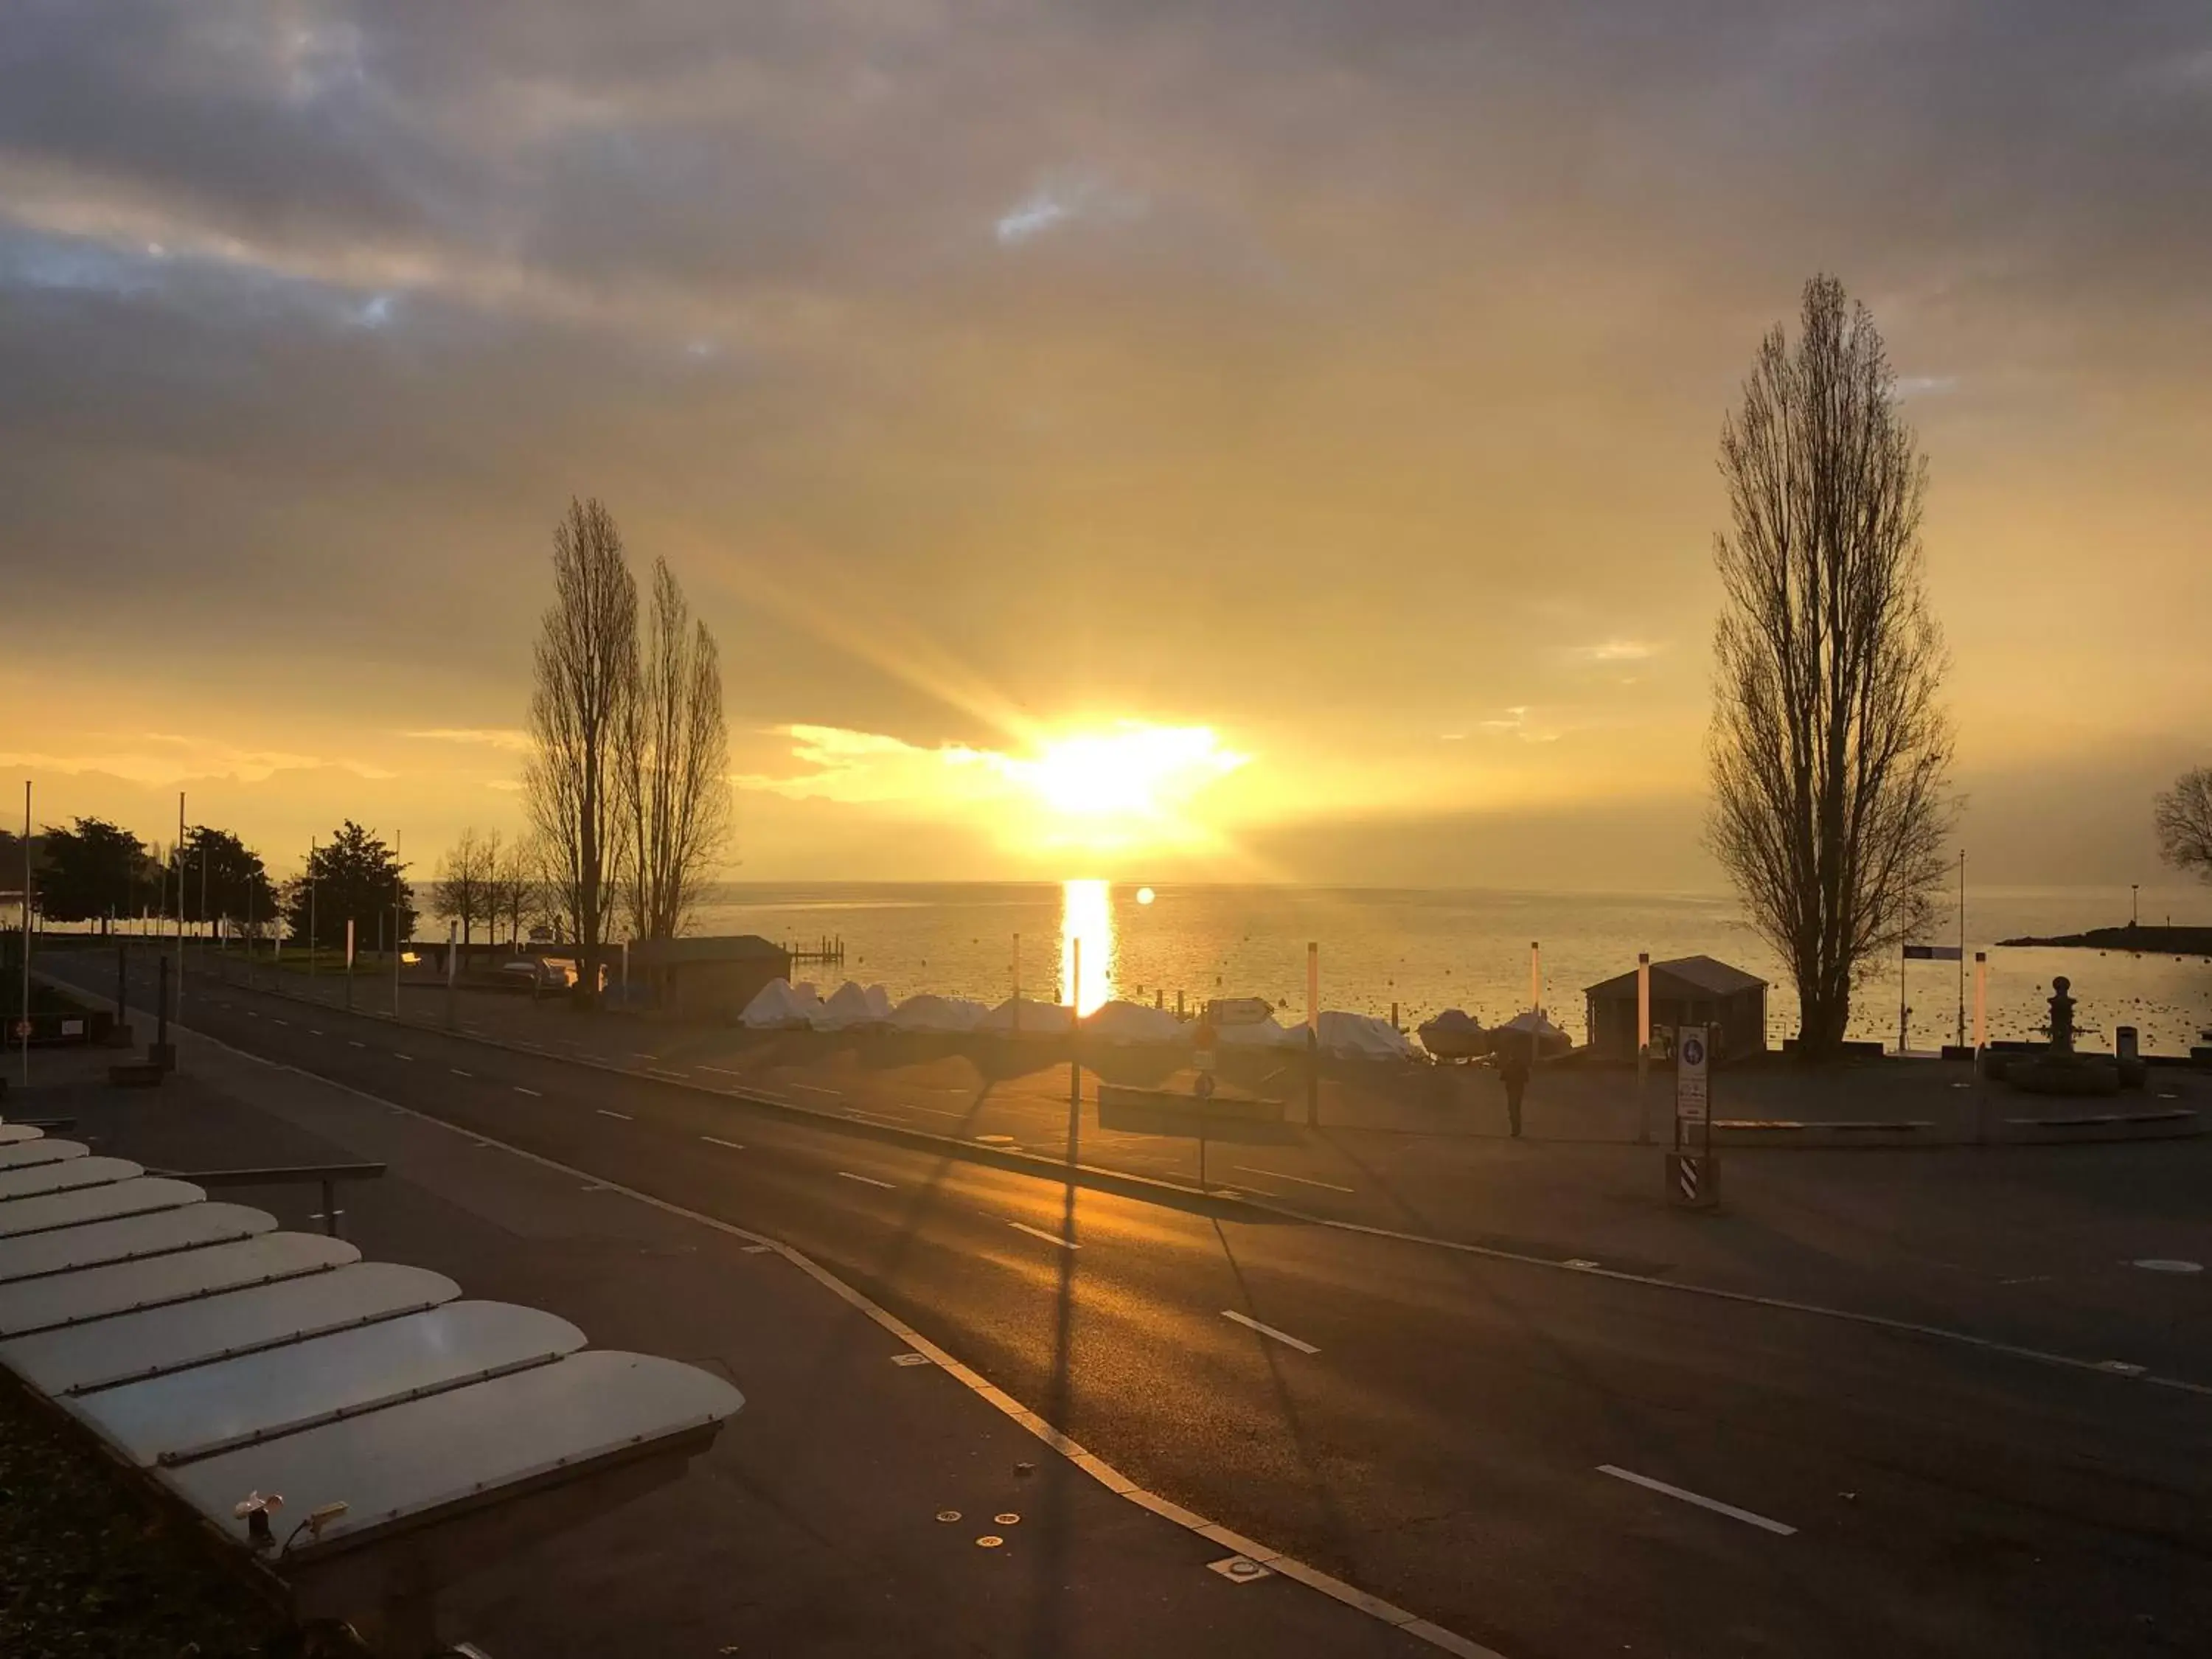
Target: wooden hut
(1687, 991)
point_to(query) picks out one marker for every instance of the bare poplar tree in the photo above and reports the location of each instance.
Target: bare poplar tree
(674, 767)
(586, 665)
(463, 890)
(1830, 748)
(2184, 819)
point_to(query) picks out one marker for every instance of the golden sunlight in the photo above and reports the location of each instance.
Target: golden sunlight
(1086, 913)
(1132, 783)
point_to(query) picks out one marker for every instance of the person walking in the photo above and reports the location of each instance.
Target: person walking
(1513, 1068)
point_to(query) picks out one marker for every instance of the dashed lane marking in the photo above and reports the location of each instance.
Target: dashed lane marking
(532, 1093)
(1039, 1232)
(716, 1140)
(624, 1116)
(1283, 1337)
(869, 1181)
(458, 1072)
(1703, 1503)
(814, 1089)
(673, 1077)
(1277, 1175)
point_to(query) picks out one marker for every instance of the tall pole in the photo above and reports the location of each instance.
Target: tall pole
(1962, 947)
(397, 837)
(453, 967)
(1313, 1032)
(1018, 984)
(1642, 1042)
(1535, 976)
(1900, 999)
(179, 860)
(314, 939)
(1074, 1023)
(27, 934)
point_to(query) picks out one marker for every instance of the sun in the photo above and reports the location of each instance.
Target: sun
(1132, 772)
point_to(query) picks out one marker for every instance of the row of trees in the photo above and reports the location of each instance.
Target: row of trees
(94, 871)
(486, 880)
(627, 784)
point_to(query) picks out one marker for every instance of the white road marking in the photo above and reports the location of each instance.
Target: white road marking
(532, 1093)
(2156, 1264)
(353, 1043)
(458, 1072)
(816, 1088)
(624, 1116)
(716, 1140)
(280, 1022)
(872, 1117)
(636, 1053)
(1251, 1324)
(311, 1031)
(720, 1070)
(1039, 1232)
(673, 1077)
(1277, 1175)
(868, 1180)
(1712, 1503)
(250, 1014)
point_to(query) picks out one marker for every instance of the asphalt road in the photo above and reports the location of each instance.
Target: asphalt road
(1551, 1463)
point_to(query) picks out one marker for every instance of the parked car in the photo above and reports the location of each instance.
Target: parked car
(533, 975)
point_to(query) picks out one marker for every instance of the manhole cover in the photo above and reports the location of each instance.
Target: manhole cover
(989, 1540)
(948, 1515)
(1240, 1570)
(2159, 1264)
(1007, 1519)
(909, 1359)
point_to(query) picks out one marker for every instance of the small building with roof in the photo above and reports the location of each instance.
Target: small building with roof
(1685, 991)
(715, 976)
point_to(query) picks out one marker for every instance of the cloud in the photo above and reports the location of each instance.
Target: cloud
(1060, 201)
(160, 757)
(1516, 722)
(1615, 651)
(1909, 386)
(494, 737)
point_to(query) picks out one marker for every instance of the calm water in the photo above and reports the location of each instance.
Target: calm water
(1427, 951)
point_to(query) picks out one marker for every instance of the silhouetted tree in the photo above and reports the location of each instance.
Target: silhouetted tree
(585, 669)
(353, 876)
(92, 871)
(2184, 819)
(463, 892)
(1830, 748)
(221, 878)
(673, 767)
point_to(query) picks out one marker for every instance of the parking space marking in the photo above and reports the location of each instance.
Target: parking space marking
(1712, 1503)
(1283, 1337)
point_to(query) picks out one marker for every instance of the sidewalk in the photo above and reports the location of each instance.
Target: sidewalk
(815, 1526)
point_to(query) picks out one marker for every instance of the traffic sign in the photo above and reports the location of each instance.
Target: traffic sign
(1692, 1065)
(22, 1027)
(1203, 1087)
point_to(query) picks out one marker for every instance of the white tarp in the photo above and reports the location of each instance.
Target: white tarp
(849, 1005)
(1260, 1034)
(1360, 1035)
(935, 1013)
(1133, 1022)
(781, 1007)
(1550, 1039)
(1037, 1018)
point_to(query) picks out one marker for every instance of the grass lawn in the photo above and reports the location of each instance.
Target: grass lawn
(88, 1569)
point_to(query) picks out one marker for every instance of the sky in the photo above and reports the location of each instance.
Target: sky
(1301, 417)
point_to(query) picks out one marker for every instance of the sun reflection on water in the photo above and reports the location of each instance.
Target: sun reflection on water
(1086, 913)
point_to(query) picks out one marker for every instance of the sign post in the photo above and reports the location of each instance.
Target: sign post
(1201, 1060)
(1692, 1174)
(349, 1003)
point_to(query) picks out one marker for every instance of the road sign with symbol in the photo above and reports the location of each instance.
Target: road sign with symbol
(1690, 1075)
